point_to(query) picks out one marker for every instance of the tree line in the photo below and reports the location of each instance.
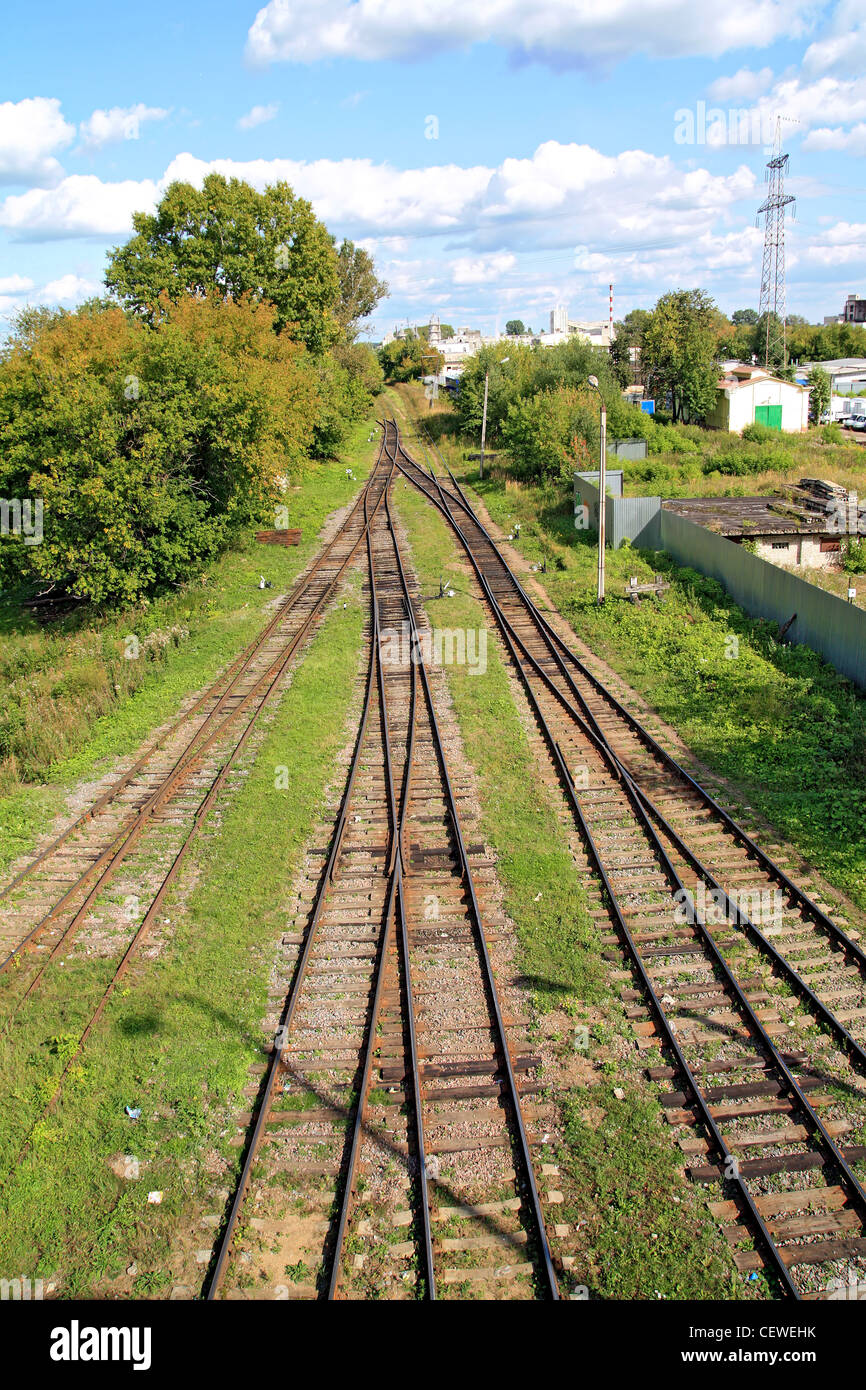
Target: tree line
(543, 412)
(159, 422)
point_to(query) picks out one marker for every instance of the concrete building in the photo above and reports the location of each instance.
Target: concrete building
(747, 394)
(845, 373)
(802, 527)
(853, 311)
(562, 328)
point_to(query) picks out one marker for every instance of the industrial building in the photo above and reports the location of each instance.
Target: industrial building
(751, 395)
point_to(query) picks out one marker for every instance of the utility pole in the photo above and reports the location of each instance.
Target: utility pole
(483, 425)
(772, 302)
(602, 486)
(484, 418)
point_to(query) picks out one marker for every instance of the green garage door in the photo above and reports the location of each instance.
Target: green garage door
(770, 415)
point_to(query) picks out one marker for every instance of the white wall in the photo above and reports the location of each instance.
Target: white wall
(745, 399)
(803, 552)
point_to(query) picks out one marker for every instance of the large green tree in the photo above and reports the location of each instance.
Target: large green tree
(228, 239)
(151, 448)
(360, 288)
(679, 352)
(625, 350)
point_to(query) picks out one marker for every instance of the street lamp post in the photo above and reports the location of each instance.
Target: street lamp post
(484, 418)
(602, 487)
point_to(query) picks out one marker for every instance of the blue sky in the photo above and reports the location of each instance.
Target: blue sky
(496, 158)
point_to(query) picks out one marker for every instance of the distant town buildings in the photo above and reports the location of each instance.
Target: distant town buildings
(854, 311)
(466, 342)
(597, 332)
(847, 374)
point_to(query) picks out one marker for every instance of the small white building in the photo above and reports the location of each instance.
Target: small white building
(751, 395)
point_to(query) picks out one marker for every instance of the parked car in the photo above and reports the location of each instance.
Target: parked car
(855, 422)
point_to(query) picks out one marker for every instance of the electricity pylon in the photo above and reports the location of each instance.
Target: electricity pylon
(772, 304)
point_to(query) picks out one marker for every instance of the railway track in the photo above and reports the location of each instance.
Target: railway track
(65, 903)
(393, 1063)
(753, 990)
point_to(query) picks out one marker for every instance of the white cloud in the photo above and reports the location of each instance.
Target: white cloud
(15, 284)
(826, 99)
(843, 244)
(31, 131)
(82, 205)
(259, 115)
(744, 85)
(368, 195)
(480, 270)
(563, 193)
(827, 89)
(120, 123)
(842, 49)
(825, 138)
(69, 289)
(562, 33)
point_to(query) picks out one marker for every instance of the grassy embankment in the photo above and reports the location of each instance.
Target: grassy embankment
(638, 1230)
(717, 464)
(178, 1040)
(776, 720)
(69, 700)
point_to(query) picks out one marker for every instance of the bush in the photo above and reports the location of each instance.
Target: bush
(671, 439)
(553, 434)
(854, 556)
(151, 447)
(759, 434)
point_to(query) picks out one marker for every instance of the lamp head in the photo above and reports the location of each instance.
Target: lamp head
(593, 381)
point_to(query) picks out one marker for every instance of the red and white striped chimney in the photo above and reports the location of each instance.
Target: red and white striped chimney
(610, 317)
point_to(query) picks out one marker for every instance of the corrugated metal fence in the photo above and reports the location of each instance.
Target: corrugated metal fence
(827, 624)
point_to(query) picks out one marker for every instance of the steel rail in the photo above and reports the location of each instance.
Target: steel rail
(771, 867)
(637, 798)
(512, 640)
(493, 996)
(359, 1124)
(287, 1013)
(420, 1144)
(397, 903)
(109, 860)
(232, 673)
(142, 930)
(840, 1032)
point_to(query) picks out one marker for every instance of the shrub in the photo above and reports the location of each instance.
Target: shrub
(854, 556)
(759, 434)
(151, 447)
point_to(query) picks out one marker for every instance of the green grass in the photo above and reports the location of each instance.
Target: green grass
(631, 1239)
(60, 715)
(776, 720)
(178, 1042)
